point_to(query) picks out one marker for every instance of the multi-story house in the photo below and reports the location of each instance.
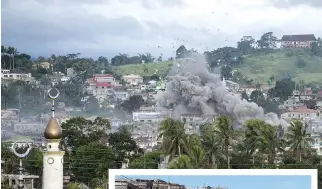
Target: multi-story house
(132, 80)
(101, 86)
(302, 113)
(6, 74)
(192, 121)
(297, 41)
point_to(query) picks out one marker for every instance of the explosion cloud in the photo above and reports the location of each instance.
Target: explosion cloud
(191, 88)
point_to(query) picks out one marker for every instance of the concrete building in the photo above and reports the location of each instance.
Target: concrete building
(132, 80)
(121, 95)
(16, 76)
(192, 121)
(232, 85)
(100, 87)
(297, 41)
(148, 117)
(105, 78)
(302, 113)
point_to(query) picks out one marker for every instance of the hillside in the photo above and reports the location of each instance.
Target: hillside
(259, 67)
(147, 69)
(280, 64)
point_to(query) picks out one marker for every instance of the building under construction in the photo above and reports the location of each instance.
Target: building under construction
(146, 184)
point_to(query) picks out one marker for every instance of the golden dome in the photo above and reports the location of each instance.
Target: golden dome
(53, 129)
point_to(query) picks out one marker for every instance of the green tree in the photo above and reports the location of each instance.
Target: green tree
(79, 131)
(182, 162)
(268, 141)
(133, 103)
(181, 52)
(92, 161)
(246, 44)
(212, 149)
(173, 135)
(92, 105)
(256, 96)
(226, 135)
(267, 41)
(316, 47)
(149, 160)
(225, 72)
(123, 143)
(298, 139)
(283, 88)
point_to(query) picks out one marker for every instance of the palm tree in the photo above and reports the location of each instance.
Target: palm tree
(298, 140)
(193, 157)
(252, 128)
(182, 162)
(268, 141)
(212, 149)
(225, 134)
(174, 138)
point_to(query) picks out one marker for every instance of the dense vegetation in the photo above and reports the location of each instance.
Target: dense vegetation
(219, 146)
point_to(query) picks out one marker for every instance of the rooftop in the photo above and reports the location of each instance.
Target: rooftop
(103, 84)
(304, 109)
(304, 37)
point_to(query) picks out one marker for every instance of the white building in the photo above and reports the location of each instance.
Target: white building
(132, 80)
(306, 94)
(70, 72)
(121, 95)
(193, 121)
(291, 103)
(148, 117)
(232, 85)
(108, 78)
(5, 74)
(302, 113)
(146, 143)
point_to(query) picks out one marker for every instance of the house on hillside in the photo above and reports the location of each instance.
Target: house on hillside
(297, 41)
(132, 80)
(302, 113)
(101, 86)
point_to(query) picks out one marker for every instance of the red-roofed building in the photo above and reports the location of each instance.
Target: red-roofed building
(302, 113)
(104, 78)
(101, 86)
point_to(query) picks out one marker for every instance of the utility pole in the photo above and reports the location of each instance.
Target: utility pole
(19, 98)
(144, 158)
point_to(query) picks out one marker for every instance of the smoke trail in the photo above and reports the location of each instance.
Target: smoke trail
(194, 89)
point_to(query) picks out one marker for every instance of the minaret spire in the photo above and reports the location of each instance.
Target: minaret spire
(52, 155)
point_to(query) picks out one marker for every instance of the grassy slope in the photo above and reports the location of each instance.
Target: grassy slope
(278, 64)
(162, 67)
(257, 67)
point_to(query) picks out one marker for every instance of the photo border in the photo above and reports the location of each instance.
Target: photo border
(240, 172)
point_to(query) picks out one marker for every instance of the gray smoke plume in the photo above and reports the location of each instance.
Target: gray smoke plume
(193, 89)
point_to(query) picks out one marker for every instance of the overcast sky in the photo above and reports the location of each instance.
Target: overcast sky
(109, 27)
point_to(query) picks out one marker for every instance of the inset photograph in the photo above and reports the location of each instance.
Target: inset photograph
(213, 179)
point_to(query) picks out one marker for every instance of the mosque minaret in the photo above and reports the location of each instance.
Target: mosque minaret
(53, 156)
